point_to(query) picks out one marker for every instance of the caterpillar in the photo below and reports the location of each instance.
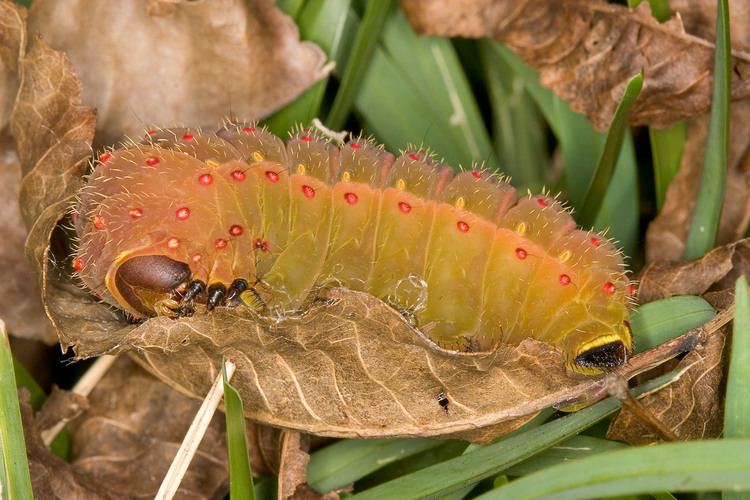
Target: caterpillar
(238, 217)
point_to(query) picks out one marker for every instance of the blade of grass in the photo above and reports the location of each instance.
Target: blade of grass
(604, 170)
(692, 466)
(328, 24)
(662, 320)
(240, 473)
(489, 460)
(659, 8)
(348, 460)
(16, 480)
(376, 13)
(737, 405)
(705, 224)
(666, 150)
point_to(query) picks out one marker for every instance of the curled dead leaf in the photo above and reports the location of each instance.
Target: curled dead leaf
(154, 66)
(586, 51)
(12, 36)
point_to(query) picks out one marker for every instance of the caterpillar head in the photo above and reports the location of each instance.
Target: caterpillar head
(598, 347)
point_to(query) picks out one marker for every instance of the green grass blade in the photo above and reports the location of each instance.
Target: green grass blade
(25, 380)
(240, 474)
(489, 460)
(368, 34)
(620, 211)
(659, 8)
(327, 23)
(737, 405)
(692, 466)
(348, 460)
(705, 224)
(16, 480)
(290, 7)
(667, 146)
(662, 320)
(604, 170)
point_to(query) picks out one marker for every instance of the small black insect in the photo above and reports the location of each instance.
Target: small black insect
(443, 401)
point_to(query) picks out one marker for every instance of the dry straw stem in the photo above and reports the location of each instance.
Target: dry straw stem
(194, 436)
(83, 387)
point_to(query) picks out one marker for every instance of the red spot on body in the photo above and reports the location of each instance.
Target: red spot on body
(261, 245)
(136, 213)
(197, 257)
(182, 213)
(152, 161)
(173, 243)
(596, 241)
(150, 132)
(355, 145)
(220, 243)
(521, 253)
(205, 179)
(248, 130)
(238, 175)
(462, 226)
(305, 138)
(476, 174)
(542, 202)
(236, 230)
(78, 265)
(98, 222)
(351, 198)
(414, 156)
(187, 136)
(609, 288)
(272, 176)
(631, 289)
(564, 279)
(308, 192)
(104, 157)
(404, 207)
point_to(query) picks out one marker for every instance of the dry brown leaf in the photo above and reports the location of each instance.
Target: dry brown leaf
(20, 296)
(587, 50)
(131, 431)
(691, 407)
(294, 457)
(666, 235)
(12, 35)
(148, 62)
(717, 270)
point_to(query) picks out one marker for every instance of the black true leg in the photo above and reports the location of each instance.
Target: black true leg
(194, 288)
(216, 294)
(235, 289)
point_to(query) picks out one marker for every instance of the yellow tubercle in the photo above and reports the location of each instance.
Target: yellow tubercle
(257, 156)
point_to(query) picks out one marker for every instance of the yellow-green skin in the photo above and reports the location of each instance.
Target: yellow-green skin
(460, 253)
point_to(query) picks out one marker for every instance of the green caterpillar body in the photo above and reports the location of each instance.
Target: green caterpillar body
(268, 224)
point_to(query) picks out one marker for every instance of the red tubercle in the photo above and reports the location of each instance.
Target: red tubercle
(462, 226)
(236, 230)
(609, 288)
(104, 158)
(173, 243)
(136, 213)
(261, 245)
(197, 257)
(220, 243)
(542, 202)
(308, 191)
(596, 241)
(182, 213)
(521, 254)
(404, 207)
(351, 198)
(476, 174)
(272, 176)
(355, 145)
(248, 130)
(187, 136)
(77, 264)
(150, 132)
(238, 175)
(305, 138)
(414, 157)
(205, 179)
(631, 289)
(99, 222)
(153, 161)
(564, 280)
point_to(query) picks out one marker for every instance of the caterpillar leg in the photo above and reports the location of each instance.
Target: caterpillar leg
(194, 289)
(217, 292)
